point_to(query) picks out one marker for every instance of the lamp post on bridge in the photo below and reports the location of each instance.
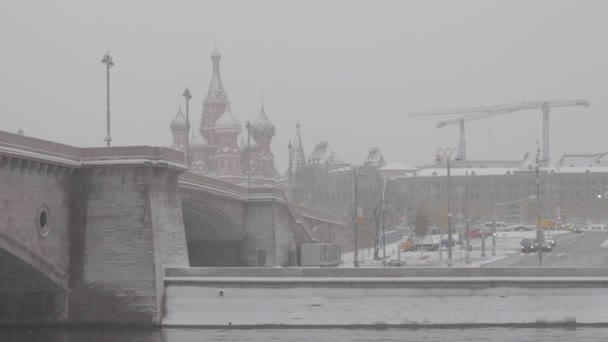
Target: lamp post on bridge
(107, 60)
(290, 171)
(248, 126)
(188, 96)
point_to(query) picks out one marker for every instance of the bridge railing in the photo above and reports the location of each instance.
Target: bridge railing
(131, 152)
(39, 146)
(213, 183)
(43, 149)
(315, 214)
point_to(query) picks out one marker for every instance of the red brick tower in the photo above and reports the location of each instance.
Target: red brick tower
(227, 129)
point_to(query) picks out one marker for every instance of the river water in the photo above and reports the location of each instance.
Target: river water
(325, 335)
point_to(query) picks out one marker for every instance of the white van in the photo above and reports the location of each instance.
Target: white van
(500, 226)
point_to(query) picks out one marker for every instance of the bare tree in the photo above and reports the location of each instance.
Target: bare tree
(382, 212)
(422, 220)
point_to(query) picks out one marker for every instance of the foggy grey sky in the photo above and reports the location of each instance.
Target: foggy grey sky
(349, 71)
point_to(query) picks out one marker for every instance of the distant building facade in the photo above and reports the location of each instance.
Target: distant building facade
(574, 191)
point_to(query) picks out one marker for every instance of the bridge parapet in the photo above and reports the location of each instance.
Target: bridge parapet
(18, 147)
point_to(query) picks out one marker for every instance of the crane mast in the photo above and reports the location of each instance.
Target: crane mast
(482, 112)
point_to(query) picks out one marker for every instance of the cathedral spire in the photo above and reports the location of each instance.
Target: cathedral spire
(299, 158)
(216, 102)
(216, 87)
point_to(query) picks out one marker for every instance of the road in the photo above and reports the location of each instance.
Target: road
(573, 250)
(302, 335)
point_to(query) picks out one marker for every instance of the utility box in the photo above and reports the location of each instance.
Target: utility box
(320, 254)
(260, 257)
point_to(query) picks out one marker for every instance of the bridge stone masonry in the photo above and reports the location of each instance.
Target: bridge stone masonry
(86, 232)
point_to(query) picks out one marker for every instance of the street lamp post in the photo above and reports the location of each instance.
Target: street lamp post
(248, 127)
(446, 153)
(493, 218)
(466, 206)
(107, 60)
(355, 171)
(290, 171)
(382, 213)
(188, 96)
(539, 233)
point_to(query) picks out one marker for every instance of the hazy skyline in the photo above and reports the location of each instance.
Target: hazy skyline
(349, 71)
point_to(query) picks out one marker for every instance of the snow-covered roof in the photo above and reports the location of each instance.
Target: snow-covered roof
(322, 154)
(397, 166)
(584, 159)
(580, 169)
(483, 171)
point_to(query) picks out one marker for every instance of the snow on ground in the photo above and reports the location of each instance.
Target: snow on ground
(507, 243)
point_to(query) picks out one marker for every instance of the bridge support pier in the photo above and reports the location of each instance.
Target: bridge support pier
(270, 235)
(131, 226)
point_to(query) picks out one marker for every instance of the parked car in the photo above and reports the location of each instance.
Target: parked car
(431, 248)
(528, 246)
(524, 228)
(546, 246)
(446, 242)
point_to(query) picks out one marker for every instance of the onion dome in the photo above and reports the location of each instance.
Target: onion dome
(198, 143)
(179, 122)
(262, 127)
(227, 122)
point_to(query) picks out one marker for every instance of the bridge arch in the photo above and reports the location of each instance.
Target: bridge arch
(213, 238)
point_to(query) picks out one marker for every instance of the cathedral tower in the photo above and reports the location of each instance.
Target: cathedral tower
(216, 102)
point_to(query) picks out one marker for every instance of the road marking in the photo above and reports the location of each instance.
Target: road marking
(604, 244)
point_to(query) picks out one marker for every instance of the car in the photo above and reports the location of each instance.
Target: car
(446, 242)
(552, 242)
(577, 230)
(546, 246)
(528, 246)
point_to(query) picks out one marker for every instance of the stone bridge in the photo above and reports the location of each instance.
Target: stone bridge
(86, 232)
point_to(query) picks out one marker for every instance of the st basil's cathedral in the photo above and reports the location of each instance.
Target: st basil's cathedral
(215, 149)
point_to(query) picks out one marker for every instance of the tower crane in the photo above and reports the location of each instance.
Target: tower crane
(482, 112)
